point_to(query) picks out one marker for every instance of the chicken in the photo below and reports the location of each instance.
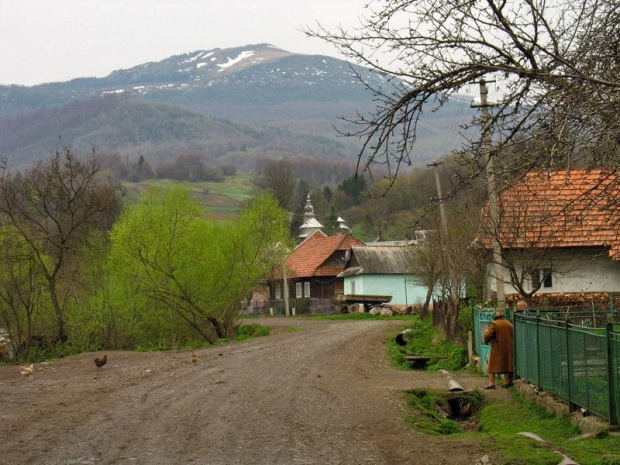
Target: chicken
(26, 370)
(193, 356)
(101, 361)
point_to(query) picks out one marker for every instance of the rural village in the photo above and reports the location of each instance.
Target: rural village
(406, 255)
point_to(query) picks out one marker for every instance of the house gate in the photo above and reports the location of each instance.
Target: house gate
(483, 317)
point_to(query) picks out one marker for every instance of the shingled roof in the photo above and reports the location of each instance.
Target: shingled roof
(559, 209)
(310, 258)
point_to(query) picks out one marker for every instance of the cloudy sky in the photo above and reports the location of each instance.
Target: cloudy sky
(57, 40)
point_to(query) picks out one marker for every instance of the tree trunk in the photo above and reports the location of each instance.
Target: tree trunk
(61, 334)
(427, 301)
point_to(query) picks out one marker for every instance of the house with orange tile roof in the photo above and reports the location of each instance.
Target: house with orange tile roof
(559, 232)
(313, 267)
(312, 270)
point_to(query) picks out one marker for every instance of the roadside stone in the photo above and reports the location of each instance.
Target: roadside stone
(484, 460)
(588, 425)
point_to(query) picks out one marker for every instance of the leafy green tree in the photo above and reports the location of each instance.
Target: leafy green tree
(196, 268)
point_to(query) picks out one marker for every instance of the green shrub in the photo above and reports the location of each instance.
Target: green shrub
(429, 342)
(464, 320)
(252, 330)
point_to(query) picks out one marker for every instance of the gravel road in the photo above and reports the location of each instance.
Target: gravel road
(313, 392)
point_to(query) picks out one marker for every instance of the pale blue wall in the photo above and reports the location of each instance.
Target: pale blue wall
(386, 284)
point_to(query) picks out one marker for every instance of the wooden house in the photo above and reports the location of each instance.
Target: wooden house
(313, 267)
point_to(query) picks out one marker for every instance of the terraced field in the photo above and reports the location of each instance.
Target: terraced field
(218, 199)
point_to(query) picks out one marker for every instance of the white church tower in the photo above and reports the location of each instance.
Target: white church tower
(310, 224)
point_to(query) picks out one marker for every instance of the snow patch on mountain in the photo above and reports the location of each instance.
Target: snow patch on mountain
(233, 61)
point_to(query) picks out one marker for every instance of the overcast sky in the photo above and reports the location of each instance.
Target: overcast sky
(57, 40)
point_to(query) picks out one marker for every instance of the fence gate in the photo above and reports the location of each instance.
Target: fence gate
(482, 320)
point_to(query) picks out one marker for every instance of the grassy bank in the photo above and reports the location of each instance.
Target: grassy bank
(495, 425)
(502, 421)
(427, 341)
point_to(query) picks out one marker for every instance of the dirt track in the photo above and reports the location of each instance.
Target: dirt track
(324, 394)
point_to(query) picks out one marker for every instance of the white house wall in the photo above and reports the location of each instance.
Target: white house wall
(575, 274)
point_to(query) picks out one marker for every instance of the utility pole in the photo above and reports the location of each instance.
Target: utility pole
(442, 209)
(492, 187)
(285, 279)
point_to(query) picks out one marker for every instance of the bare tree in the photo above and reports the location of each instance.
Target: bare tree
(277, 177)
(424, 267)
(443, 263)
(53, 207)
(545, 213)
(557, 62)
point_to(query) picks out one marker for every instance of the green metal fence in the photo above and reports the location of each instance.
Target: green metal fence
(575, 356)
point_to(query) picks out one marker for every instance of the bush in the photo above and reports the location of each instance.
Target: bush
(464, 320)
(252, 330)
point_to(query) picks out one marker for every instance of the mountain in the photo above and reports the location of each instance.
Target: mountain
(301, 96)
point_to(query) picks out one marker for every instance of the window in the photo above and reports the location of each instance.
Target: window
(541, 278)
(352, 287)
(307, 289)
(278, 292)
(298, 294)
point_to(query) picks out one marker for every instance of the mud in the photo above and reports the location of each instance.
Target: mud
(323, 393)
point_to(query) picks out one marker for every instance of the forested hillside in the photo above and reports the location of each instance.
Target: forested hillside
(266, 102)
(158, 132)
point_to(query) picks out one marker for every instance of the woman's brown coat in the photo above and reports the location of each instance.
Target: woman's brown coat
(499, 337)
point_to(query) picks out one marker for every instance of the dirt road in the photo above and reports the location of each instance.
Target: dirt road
(323, 393)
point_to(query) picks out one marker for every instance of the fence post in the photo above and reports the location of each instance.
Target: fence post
(538, 351)
(613, 415)
(569, 369)
(473, 322)
(514, 348)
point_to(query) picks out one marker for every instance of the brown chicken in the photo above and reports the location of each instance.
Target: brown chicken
(26, 370)
(101, 361)
(194, 356)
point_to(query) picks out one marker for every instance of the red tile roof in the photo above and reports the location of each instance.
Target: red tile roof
(567, 208)
(309, 256)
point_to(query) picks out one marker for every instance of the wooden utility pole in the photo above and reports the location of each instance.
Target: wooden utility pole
(487, 148)
(442, 209)
(285, 285)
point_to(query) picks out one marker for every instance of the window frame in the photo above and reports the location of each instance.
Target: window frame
(278, 292)
(547, 278)
(298, 290)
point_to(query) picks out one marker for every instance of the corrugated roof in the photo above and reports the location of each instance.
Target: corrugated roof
(381, 259)
(566, 208)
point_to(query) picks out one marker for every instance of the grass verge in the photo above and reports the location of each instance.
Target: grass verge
(503, 420)
(429, 342)
(433, 414)
(497, 426)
